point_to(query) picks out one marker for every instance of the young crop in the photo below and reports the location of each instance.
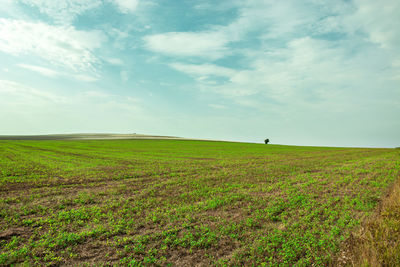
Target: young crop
(170, 202)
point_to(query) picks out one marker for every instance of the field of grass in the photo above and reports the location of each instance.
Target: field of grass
(171, 202)
(377, 241)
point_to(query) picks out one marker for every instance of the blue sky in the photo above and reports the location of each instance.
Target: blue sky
(298, 72)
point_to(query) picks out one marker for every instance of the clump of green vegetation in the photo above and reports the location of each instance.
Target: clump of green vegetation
(175, 202)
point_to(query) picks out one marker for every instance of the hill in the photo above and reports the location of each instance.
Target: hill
(85, 136)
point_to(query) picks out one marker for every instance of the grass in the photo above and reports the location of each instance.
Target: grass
(171, 202)
(377, 242)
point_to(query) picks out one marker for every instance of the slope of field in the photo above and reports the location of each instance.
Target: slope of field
(184, 202)
(88, 136)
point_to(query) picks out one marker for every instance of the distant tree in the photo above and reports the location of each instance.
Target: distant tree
(266, 141)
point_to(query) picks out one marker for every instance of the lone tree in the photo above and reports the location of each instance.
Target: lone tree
(266, 141)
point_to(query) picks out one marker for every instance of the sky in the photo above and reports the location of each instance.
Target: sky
(313, 72)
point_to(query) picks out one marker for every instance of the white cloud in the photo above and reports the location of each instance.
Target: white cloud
(309, 73)
(54, 74)
(41, 70)
(83, 78)
(9, 8)
(22, 94)
(63, 11)
(60, 45)
(31, 96)
(271, 20)
(214, 43)
(115, 61)
(203, 69)
(29, 110)
(380, 20)
(196, 44)
(293, 64)
(126, 6)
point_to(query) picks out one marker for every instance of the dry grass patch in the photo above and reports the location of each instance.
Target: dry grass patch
(377, 243)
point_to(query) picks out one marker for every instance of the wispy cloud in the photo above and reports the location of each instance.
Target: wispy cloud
(115, 61)
(63, 11)
(23, 94)
(300, 59)
(203, 69)
(45, 111)
(60, 45)
(126, 6)
(41, 70)
(268, 19)
(308, 72)
(54, 74)
(193, 44)
(379, 20)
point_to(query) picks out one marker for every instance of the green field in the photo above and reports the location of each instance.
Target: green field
(175, 202)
